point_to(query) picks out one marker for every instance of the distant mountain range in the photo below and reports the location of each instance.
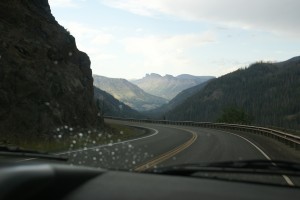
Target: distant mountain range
(168, 86)
(269, 92)
(109, 106)
(159, 113)
(128, 93)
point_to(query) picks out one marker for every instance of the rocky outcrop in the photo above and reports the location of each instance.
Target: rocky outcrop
(45, 81)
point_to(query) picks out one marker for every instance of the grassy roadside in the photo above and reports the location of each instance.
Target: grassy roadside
(66, 139)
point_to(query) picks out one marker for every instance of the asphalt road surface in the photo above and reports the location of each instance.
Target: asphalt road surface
(182, 144)
(167, 145)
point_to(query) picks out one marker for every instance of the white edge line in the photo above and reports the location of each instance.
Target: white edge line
(288, 180)
(285, 177)
(155, 133)
(111, 144)
(259, 149)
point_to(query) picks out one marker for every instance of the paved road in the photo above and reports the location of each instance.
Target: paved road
(175, 145)
(170, 145)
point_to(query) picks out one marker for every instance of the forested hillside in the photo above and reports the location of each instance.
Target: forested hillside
(159, 113)
(128, 93)
(268, 92)
(109, 106)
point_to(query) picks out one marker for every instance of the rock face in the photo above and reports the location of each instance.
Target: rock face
(45, 81)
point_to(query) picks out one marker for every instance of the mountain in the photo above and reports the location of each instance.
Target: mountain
(46, 82)
(128, 93)
(268, 92)
(159, 113)
(168, 86)
(109, 106)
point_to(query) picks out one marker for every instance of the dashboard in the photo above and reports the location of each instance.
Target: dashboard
(59, 181)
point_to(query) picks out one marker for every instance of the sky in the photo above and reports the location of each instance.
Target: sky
(130, 38)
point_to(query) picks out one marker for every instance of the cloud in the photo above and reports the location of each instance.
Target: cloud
(88, 36)
(103, 39)
(63, 3)
(278, 16)
(169, 52)
(93, 41)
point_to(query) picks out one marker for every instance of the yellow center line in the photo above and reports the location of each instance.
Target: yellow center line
(168, 154)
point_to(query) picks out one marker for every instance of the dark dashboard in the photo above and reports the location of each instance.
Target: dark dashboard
(59, 181)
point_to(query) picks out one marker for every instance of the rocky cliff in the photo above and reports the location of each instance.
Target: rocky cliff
(45, 81)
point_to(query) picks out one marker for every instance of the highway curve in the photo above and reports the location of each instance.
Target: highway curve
(169, 145)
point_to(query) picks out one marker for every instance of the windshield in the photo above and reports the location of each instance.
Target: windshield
(140, 85)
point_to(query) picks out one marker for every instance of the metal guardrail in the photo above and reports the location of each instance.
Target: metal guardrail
(286, 138)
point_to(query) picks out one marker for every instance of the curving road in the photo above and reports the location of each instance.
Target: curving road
(169, 145)
(166, 145)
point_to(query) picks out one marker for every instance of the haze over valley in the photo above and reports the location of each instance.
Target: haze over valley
(150, 92)
(255, 92)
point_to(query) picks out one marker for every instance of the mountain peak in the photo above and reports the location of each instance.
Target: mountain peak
(153, 75)
(128, 93)
(168, 76)
(168, 86)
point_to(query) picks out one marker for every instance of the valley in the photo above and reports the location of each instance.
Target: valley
(267, 93)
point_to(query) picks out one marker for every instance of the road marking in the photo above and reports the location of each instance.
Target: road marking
(27, 159)
(288, 180)
(169, 154)
(101, 146)
(285, 177)
(105, 145)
